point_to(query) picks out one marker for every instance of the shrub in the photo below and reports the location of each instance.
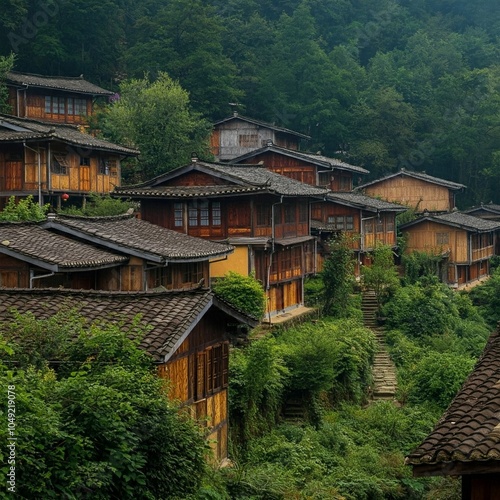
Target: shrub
(244, 293)
(97, 205)
(25, 210)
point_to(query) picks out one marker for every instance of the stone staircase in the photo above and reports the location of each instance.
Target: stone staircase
(384, 371)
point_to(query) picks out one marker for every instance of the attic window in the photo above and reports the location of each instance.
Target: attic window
(248, 140)
(442, 239)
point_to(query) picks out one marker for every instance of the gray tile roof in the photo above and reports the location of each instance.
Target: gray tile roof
(239, 177)
(460, 220)
(32, 243)
(187, 191)
(364, 202)
(169, 316)
(469, 431)
(13, 129)
(134, 236)
(70, 84)
(316, 159)
(416, 175)
(259, 123)
(487, 207)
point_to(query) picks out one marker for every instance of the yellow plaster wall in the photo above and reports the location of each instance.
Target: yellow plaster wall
(236, 262)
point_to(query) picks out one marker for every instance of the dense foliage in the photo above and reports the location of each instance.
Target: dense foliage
(92, 416)
(244, 293)
(96, 205)
(388, 83)
(156, 118)
(23, 210)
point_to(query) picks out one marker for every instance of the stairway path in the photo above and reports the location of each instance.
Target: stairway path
(384, 370)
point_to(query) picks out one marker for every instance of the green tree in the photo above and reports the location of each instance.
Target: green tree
(381, 275)
(156, 117)
(6, 64)
(92, 416)
(338, 277)
(184, 39)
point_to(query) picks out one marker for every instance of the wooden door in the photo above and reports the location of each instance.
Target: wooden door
(84, 178)
(13, 175)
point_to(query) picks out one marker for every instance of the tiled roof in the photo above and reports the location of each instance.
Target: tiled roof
(487, 207)
(259, 175)
(138, 237)
(458, 219)
(243, 177)
(416, 175)
(316, 159)
(259, 123)
(13, 129)
(52, 251)
(365, 202)
(170, 316)
(469, 431)
(70, 84)
(187, 191)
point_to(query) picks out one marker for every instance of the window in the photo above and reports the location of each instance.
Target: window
(380, 225)
(390, 224)
(178, 219)
(103, 166)
(84, 161)
(204, 213)
(160, 276)
(192, 273)
(248, 140)
(442, 238)
(303, 213)
(263, 215)
(211, 370)
(289, 214)
(369, 226)
(77, 106)
(59, 164)
(54, 105)
(342, 222)
(345, 183)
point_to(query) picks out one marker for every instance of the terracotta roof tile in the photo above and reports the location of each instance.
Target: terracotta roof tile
(469, 430)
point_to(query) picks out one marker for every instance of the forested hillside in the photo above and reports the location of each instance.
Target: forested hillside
(389, 83)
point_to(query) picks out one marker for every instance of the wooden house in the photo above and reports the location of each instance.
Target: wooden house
(238, 135)
(103, 253)
(416, 190)
(487, 211)
(466, 441)
(366, 222)
(466, 244)
(187, 334)
(52, 98)
(48, 160)
(264, 215)
(314, 169)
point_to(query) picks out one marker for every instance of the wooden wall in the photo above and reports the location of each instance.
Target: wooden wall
(23, 174)
(415, 193)
(184, 371)
(430, 237)
(32, 105)
(13, 272)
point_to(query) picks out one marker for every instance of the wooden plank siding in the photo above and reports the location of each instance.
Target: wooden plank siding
(414, 193)
(33, 105)
(198, 378)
